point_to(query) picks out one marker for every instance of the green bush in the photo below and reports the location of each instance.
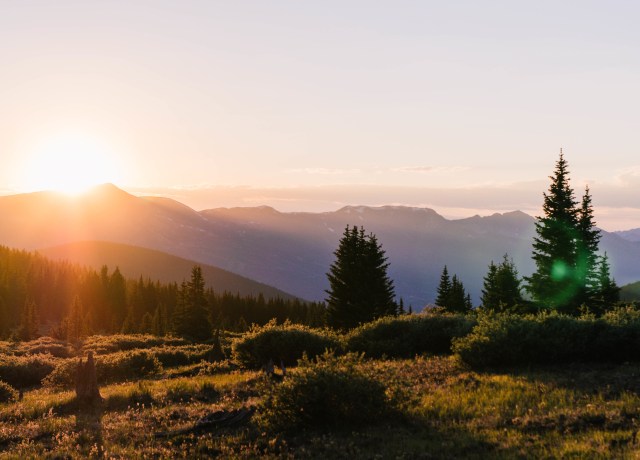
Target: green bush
(105, 344)
(408, 336)
(287, 343)
(508, 340)
(328, 392)
(26, 371)
(7, 393)
(172, 356)
(45, 345)
(114, 367)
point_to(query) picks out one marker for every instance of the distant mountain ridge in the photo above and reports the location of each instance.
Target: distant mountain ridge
(291, 251)
(631, 235)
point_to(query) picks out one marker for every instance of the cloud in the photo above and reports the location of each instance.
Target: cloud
(325, 171)
(430, 169)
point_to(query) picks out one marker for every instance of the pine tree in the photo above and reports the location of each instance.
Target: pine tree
(490, 298)
(606, 291)
(75, 325)
(565, 238)
(191, 317)
(444, 288)
(458, 301)
(360, 289)
(159, 324)
(501, 289)
(451, 294)
(29, 326)
(587, 251)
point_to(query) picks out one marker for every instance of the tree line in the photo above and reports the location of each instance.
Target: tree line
(41, 296)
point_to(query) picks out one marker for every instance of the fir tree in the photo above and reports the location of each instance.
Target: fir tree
(606, 291)
(490, 298)
(444, 288)
(451, 294)
(360, 289)
(29, 326)
(502, 289)
(587, 251)
(75, 326)
(458, 301)
(192, 316)
(564, 248)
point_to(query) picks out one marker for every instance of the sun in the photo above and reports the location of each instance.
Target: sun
(70, 163)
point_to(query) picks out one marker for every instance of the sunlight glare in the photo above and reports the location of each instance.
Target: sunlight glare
(70, 164)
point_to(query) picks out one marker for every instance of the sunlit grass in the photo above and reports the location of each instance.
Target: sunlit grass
(441, 409)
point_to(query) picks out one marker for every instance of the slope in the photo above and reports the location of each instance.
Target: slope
(135, 262)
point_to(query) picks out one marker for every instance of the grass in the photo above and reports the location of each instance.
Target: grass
(442, 409)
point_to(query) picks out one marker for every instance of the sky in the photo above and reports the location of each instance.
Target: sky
(461, 106)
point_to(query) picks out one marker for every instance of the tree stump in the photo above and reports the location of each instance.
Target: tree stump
(87, 392)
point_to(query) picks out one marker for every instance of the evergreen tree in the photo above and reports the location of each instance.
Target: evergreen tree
(179, 325)
(458, 301)
(360, 289)
(502, 289)
(490, 298)
(192, 318)
(444, 288)
(29, 326)
(75, 326)
(159, 324)
(565, 247)
(587, 251)
(606, 291)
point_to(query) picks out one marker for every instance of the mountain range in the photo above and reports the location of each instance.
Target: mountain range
(290, 251)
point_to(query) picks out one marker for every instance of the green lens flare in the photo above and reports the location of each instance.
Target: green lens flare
(559, 270)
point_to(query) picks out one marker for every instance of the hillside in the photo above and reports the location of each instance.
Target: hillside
(291, 251)
(135, 262)
(630, 291)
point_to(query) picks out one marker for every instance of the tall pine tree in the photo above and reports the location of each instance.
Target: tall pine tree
(359, 288)
(565, 248)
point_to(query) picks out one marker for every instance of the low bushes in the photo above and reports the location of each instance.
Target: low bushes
(7, 393)
(407, 336)
(45, 345)
(114, 367)
(26, 371)
(508, 340)
(104, 344)
(172, 356)
(329, 391)
(287, 343)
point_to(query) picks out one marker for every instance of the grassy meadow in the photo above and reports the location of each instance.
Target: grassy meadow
(339, 404)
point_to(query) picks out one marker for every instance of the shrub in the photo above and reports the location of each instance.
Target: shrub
(26, 371)
(507, 340)
(181, 355)
(287, 343)
(45, 345)
(105, 344)
(407, 336)
(7, 393)
(330, 391)
(114, 367)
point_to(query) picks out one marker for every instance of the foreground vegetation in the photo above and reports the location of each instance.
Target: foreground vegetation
(433, 407)
(426, 401)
